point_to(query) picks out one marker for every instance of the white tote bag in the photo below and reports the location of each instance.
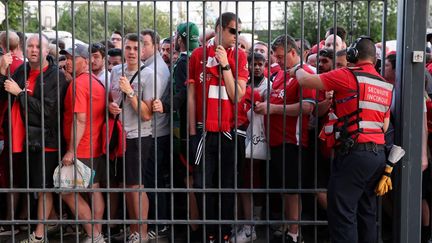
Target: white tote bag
(64, 176)
(256, 138)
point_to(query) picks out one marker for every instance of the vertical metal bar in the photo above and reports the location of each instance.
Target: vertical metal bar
(107, 160)
(188, 158)
(26, 129)
(384, 37)
(171, 144)
(351, 21)
(204, 104)
(6, 3)
(59, 109)
(383, 57)
(316, 131)
(300, 157)
(252, 83)
(74, 124)
(156, 157)
(284, 68)
(268, 119)
(123, 118)
(42, 120)
(220, 39)
(140, 159)
(411, 30)
(91, 113)
(368, 17)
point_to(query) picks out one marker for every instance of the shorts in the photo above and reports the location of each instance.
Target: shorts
(36, 172)
(284, 177)
(134, 174)
(116, 171)
(99, 166)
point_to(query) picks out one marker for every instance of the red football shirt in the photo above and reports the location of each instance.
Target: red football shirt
(82, 105)
(245, 104)
(196, 73)
(343, 82)
(292, 131)
(18, 127)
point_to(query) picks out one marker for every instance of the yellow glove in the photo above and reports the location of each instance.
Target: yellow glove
(385, 184)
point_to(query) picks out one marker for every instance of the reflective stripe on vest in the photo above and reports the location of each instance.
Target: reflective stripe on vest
(373, 106)
(371, 124)
(376, 82)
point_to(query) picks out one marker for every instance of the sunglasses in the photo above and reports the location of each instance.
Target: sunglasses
(233, 31)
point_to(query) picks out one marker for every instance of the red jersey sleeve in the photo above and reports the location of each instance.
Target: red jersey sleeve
(337, 80)
(81, 95)
(243, 71)
(193, 67)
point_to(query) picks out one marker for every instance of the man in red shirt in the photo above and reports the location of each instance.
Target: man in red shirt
(27, 96)
(363, 100)
(287, 137)
(85, 100)
(222, 90)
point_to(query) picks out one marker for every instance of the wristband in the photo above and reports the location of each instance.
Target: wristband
(131, 94)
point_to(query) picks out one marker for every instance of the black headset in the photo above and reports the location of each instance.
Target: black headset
(352, 52)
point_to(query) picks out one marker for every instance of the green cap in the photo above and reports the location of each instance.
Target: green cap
(182, 31)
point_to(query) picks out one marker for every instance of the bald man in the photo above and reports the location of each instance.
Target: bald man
(329, 43)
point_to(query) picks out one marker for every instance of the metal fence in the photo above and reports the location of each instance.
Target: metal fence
(177, 197)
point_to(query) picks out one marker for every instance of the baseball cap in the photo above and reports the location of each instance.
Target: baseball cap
(80, 51)
(182, 30)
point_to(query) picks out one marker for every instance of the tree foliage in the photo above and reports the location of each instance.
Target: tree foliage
(16, 18)
(114, 17)
(354, 18)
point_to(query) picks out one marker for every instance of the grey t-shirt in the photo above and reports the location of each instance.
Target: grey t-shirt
(146, 81)
(131, 118)
(162, 81)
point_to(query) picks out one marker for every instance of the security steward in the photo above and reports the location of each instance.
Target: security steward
(361, 103)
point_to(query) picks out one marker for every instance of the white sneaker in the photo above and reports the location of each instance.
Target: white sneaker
(7, 230)
(94, 239)
(32, 239)
(246, 234)
(136, 238)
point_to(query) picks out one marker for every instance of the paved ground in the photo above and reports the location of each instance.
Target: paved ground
(179, 235)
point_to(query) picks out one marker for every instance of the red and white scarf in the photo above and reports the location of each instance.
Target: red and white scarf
(216, 90)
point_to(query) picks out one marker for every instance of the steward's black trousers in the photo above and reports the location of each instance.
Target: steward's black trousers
(351, 197)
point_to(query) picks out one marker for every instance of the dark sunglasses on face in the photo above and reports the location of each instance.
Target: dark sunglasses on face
(233, 31)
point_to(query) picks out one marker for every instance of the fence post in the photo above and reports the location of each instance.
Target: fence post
(411, 30)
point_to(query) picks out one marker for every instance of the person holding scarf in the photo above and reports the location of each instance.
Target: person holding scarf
(224, 85)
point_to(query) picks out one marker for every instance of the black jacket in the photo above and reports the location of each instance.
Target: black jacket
(54, 92)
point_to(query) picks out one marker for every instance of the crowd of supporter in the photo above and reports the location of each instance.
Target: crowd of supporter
(223, 98)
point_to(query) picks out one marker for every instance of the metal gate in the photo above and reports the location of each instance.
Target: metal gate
(185, 164)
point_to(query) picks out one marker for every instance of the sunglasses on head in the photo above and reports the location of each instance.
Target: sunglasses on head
(233, 31)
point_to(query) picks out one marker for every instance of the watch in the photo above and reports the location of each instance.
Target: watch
(226, 67)
(131, 94)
